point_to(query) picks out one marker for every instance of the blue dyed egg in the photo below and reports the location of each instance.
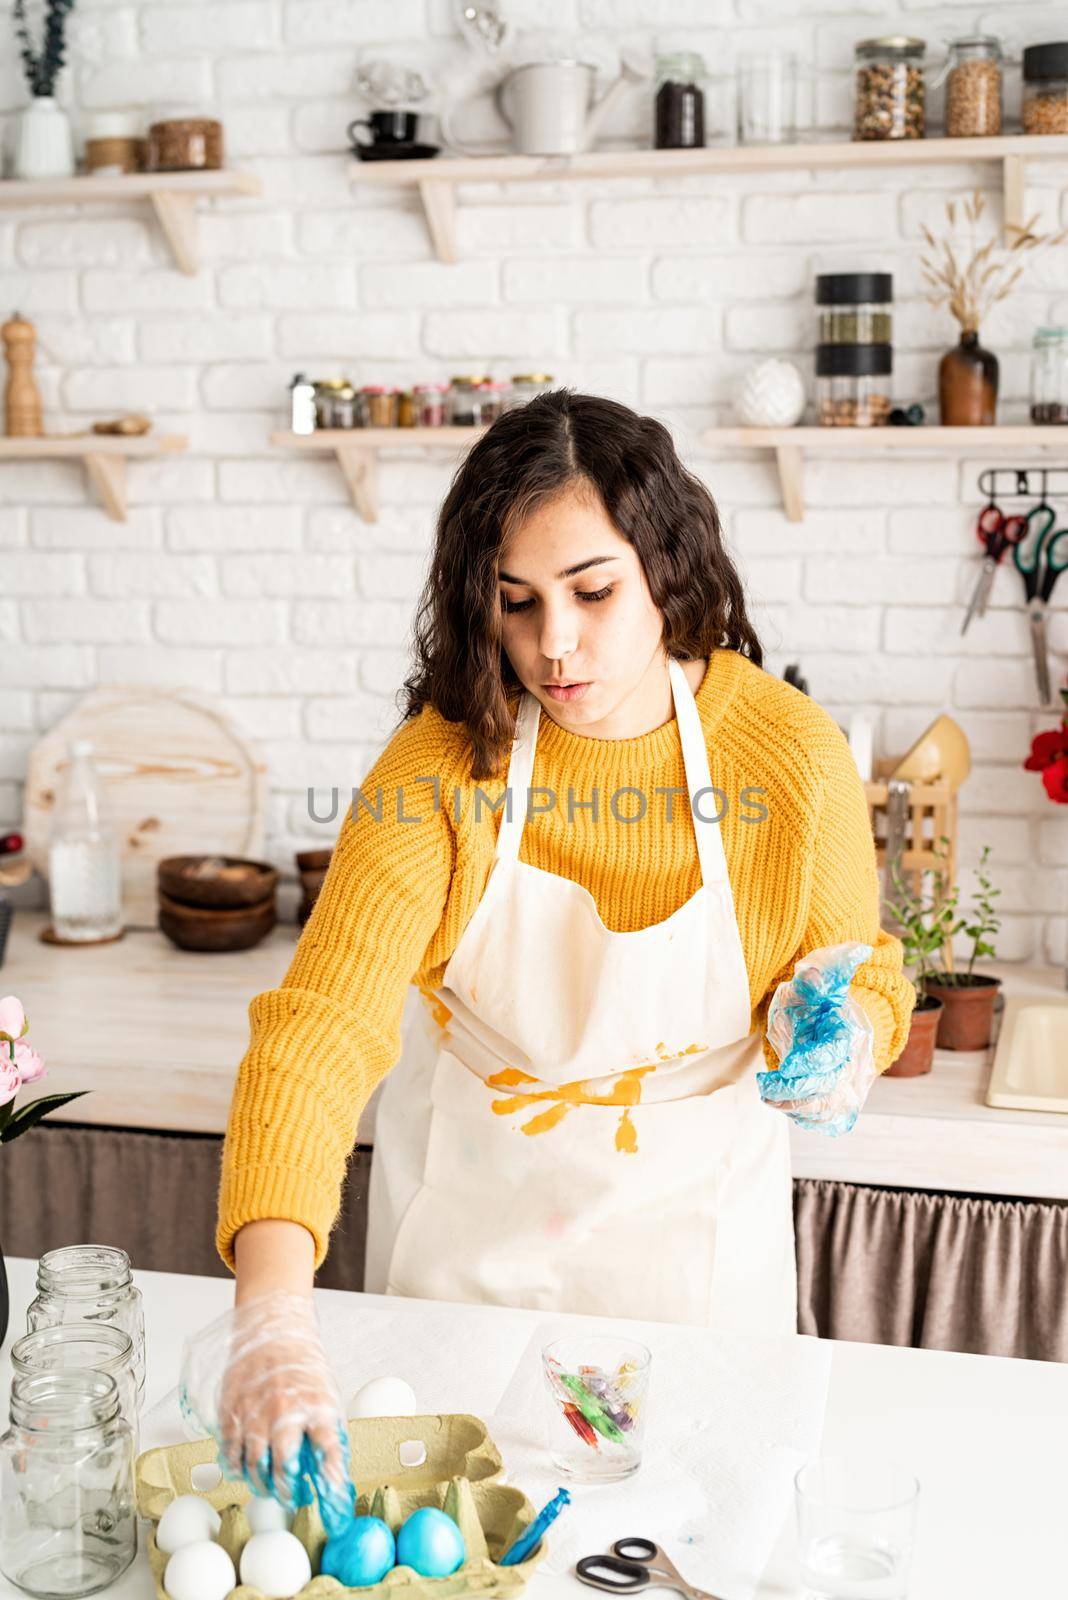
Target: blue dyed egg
(363, 1554)
(431, 1543)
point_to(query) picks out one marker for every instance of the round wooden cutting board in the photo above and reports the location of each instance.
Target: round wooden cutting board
(178, 778)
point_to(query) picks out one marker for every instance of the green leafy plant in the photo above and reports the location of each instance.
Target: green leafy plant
(981, 926)
(42, 67)
(926, 918)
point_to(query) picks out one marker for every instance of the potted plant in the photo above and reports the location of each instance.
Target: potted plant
(19, 1065)
(968, 374)
(967, 996)
(924, 923)
(44, 146)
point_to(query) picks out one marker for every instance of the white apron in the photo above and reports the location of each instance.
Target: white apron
(574, 1124)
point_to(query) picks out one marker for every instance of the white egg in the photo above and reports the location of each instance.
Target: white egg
(267, 1515)
(276, 1563)
(383, 1397)
(199, 1572)
(189, 1519)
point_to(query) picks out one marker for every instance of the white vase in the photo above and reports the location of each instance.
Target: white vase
(44, 145)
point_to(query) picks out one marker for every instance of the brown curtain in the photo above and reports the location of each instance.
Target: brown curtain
(938, 1271)
(885, 1266)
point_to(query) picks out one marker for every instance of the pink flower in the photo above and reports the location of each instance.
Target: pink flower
(30, 1065)
(9, 1077)
(13, 1023)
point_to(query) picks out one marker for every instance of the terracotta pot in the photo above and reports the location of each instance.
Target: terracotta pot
(919, 1051)
(968, 385)
(967, 1011)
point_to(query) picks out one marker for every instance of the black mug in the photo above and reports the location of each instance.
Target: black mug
(385, 127)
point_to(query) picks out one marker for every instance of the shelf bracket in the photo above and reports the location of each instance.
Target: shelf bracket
(107, 474)
(361, 474)
(439, 205)
(177, 217)
(791, 480)
(1012, 196)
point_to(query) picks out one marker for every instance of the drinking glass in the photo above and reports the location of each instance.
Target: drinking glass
(857, 1520)
(767, 98)
(595, 1398)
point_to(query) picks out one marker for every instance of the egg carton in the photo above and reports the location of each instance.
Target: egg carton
(460, 1475)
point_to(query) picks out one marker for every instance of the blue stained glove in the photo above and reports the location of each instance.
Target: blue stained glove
(823, 1040)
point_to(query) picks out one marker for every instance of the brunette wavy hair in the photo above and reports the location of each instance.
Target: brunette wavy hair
(530, 455)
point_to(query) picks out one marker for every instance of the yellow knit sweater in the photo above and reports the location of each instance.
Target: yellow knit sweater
(398, 895)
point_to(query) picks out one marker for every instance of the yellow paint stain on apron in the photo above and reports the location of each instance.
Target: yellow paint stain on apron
(626, 1091)
(439, 1011)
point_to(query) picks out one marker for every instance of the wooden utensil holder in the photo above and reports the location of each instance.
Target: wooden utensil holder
(932, 816)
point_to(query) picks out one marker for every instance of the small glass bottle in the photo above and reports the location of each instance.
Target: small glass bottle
(1049, 376)
(890, 88)
(84, 864)
(90, 1283)
(101, 1346)
(679, 107)
(68, 1524)
(429, 401)
(465, 400)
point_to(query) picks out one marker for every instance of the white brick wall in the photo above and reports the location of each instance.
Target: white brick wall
(245, 573)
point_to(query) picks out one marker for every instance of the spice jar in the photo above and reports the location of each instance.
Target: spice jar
(889, 88)
(68, 1525)
(378, 406)
(854, 307)
(525, 385)
(343, 407)
(853, 385)
(1045, 88)
(1049, 375)
(469, 401)
(973, 88)
(405, 408)
(326, 390)
(429, 400)
(679, 106)
(185, 143)
(90, 1283)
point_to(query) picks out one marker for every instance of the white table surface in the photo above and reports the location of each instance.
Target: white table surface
(161, 1063)
(986, 1436)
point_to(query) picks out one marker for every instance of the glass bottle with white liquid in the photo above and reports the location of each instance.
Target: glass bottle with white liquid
(84, 865)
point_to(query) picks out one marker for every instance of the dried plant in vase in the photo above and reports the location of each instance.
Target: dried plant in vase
(968, 374)
(44, 145)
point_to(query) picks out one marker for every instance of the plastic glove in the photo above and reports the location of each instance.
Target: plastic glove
(258, 1381)
(823, 1040)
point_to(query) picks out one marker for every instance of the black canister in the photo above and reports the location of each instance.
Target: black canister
(855, 307)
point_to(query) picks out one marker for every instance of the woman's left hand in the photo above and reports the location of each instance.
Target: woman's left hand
(823, 1041)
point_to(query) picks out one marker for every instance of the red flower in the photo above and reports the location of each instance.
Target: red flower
(1047, 748)
(1055, 779)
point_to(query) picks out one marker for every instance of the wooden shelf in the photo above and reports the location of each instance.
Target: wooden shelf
(791, 445)
(104, 454)
(438, 178)
(357, 451)
(173, 197)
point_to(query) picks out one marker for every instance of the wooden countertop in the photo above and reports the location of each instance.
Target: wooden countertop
(158, 1034)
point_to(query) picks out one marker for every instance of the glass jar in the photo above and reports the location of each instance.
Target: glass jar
(525, 385)
(429, 400)
(405, 408)
(100, 1346)
(68, 1525)
(889, 88)
(90, 1283)
(344, 409)
(767, 97)
(84, 857)
(679, 106)
(326, 390)
(184, 139)
(973, 88)
(853, 385)
(378, 406)
(1044, 108)
(1049, 375)
(469, 401)
(855, 307)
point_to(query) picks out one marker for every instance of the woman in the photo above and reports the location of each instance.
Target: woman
(599, 841)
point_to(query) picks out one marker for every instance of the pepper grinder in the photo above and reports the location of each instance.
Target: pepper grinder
(22, 402)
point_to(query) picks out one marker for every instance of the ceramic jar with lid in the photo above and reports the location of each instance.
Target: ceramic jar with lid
(890, 88)
(1044, 108)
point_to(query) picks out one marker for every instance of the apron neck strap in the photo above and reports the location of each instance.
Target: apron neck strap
(695, 760)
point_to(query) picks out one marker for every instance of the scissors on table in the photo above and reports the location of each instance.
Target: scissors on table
(1040, 557)
(997, 533)
(634, 1564)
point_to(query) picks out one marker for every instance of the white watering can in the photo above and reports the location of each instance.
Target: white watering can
(549, 106)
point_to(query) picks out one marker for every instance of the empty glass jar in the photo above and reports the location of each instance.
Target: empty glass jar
(90, 1283)
(100, 1346)
(67, 1511)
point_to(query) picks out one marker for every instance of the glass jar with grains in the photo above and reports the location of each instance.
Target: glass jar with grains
(853, 385)
(973, 88)
(854, 307)
(1045, 88)
(890, 89)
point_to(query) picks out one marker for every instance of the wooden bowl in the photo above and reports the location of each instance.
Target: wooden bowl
(201, 928)
(215, 882)
(313, 860)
